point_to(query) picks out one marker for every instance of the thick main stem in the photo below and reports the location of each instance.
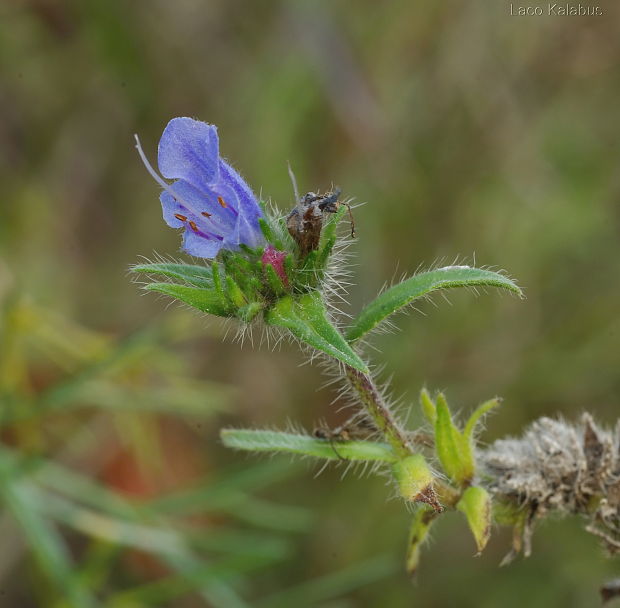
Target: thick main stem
(378, 410)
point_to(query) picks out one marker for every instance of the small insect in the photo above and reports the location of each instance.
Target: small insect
(305, 221)
(351, 430)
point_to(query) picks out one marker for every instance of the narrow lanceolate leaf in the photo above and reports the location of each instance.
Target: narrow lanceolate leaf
(205, 300)
(403, 294)
(428, 406)
(420, 526)
(479, 413)
(200, 276)
(305, 445)
(475, 504)
(454, 451)
(306, 318)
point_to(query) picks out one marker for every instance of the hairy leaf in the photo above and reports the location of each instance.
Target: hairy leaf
(403, 294)
(275, 441)
(206, 300)
(306, 318)
(200, 276)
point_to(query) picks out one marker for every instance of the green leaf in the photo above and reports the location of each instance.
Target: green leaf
(403, 294)
(328, 239)
(206, 300)
(200, 276)
(306, 318)
(428, 406)
(234, 293)
(482, 410)
(247, 313)
(269, 233)
(454, 451)
(420, 527)
(475, 504)
(275, 282)
(275, 441)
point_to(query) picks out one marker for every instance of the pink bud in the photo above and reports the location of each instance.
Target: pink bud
(275, 258)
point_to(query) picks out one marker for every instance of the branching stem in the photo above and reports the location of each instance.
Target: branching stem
(379, 411)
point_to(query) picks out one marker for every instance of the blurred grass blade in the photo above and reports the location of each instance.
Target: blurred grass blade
(121, 532)
(200, 276)
(210, 584)
(306, 318)
(263, 547)
(315, 592)
(274, 516)
(403, 294)
(305, 445)
(43, 539)
(178, 396)
(213, 581)
(229, 487)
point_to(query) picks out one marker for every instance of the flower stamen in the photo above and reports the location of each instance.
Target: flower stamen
(222, 202)
(156, 176)
(180, 217)
(206, 214)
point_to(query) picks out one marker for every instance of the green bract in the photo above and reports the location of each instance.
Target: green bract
(455, 448)
(475, 504)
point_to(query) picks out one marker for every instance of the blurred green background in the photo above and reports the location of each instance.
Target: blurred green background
(467, 132)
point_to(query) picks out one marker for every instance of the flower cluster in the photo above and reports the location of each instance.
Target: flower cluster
(255, 259)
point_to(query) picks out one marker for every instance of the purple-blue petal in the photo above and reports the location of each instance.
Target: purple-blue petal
(171, 208)
(248, 204)
(203, 208)
(189, 150)
(247, 230)
(200, 247)
(209, 199)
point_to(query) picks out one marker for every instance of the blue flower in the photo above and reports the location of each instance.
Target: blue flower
(209, 199)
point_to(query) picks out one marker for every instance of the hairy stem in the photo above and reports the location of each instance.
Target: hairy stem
(379, 411)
